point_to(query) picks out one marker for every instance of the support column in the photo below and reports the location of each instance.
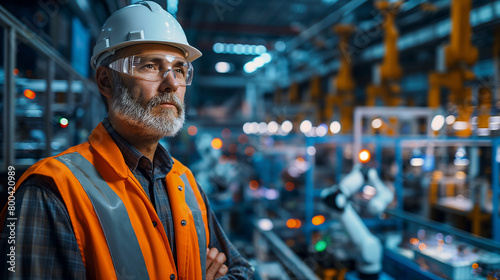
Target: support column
(70, 111)
(9, 96)
(49, 103)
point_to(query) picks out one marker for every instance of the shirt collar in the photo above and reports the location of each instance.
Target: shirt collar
(134, 159)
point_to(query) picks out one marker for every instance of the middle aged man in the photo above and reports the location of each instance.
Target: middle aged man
(119, 206)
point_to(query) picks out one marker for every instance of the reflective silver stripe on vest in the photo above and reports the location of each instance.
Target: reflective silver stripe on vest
(192, 202)
(122, 242)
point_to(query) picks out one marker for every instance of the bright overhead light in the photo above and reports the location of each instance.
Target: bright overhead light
(460, 125)
(260, 49)
(258, 61)
(266, 57)
(461, 162)
(272, 127)
(450, 119)
(287, 126)
(321, 130)
(239, 49)
(305, 126)
(364, 156)
(311, 132)
(249, 67)
(262, 127)
(311, 150)
(417, 161)
(494, 122)
(377, 123)
(247, 128)
(483, 131)
(494, 119)
(437, 122)
(265, 224)
(255, 127)
(335, 127)
(222, 67)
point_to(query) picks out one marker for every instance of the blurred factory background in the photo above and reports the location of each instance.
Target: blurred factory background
(291, 101)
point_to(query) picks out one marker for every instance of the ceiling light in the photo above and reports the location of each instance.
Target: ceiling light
(260, 49)
(305, 126)
(460, 125)
(335, 127)
(450, 119)
(437, 122)
(249, 67)
(377, 123)
(287, 126)
(222, 67)
(322, 130)
(311, 150)
(272, 127)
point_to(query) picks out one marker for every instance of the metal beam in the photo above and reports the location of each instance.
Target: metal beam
(292, 262)
(325, 23)
(38, 44)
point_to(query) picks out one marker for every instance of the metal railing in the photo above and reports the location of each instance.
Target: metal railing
(14, 33)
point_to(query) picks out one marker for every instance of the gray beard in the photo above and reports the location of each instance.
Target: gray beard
(140, 116)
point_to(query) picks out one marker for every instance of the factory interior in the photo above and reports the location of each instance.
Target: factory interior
(335, 139)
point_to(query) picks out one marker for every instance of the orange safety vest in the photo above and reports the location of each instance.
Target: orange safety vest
(116, 226)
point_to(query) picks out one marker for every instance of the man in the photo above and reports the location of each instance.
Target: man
(119, 206)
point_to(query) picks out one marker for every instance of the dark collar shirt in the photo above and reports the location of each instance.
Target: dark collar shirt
(45, 244)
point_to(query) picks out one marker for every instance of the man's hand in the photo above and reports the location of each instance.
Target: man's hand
(215, 264)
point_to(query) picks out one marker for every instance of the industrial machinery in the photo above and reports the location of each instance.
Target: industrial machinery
(386, 76)
(368, 248)
(454, 68)
(343, 96)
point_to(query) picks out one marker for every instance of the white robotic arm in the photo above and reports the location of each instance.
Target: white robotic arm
(369, 263)
(382, 198)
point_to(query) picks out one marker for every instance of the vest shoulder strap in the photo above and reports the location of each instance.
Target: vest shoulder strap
(113, 217)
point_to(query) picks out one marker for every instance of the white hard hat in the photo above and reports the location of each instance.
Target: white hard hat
(143, 22)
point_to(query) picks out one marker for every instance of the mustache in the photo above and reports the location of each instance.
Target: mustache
(165, 98)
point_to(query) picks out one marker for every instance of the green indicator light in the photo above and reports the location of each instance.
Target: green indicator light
(320, 246)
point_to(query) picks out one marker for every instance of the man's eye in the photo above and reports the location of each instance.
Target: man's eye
(150, 67)
(179, 71)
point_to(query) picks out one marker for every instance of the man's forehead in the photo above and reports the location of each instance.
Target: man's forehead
(150, 49)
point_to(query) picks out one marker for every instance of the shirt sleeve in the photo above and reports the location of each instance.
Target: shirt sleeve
(45, 243)
(239, 267)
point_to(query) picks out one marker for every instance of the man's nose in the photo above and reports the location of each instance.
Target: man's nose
(169, 82)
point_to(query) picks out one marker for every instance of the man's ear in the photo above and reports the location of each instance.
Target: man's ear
(104, 81)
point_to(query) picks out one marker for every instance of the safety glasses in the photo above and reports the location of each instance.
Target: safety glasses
(155, 67)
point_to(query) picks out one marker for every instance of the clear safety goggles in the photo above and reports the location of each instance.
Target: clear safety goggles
(155, 67)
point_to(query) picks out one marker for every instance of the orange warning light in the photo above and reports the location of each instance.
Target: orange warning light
(28, 93)
(364, 156)
(216, 143)
(318, 220)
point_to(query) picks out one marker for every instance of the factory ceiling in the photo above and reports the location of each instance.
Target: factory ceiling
(298, 31)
